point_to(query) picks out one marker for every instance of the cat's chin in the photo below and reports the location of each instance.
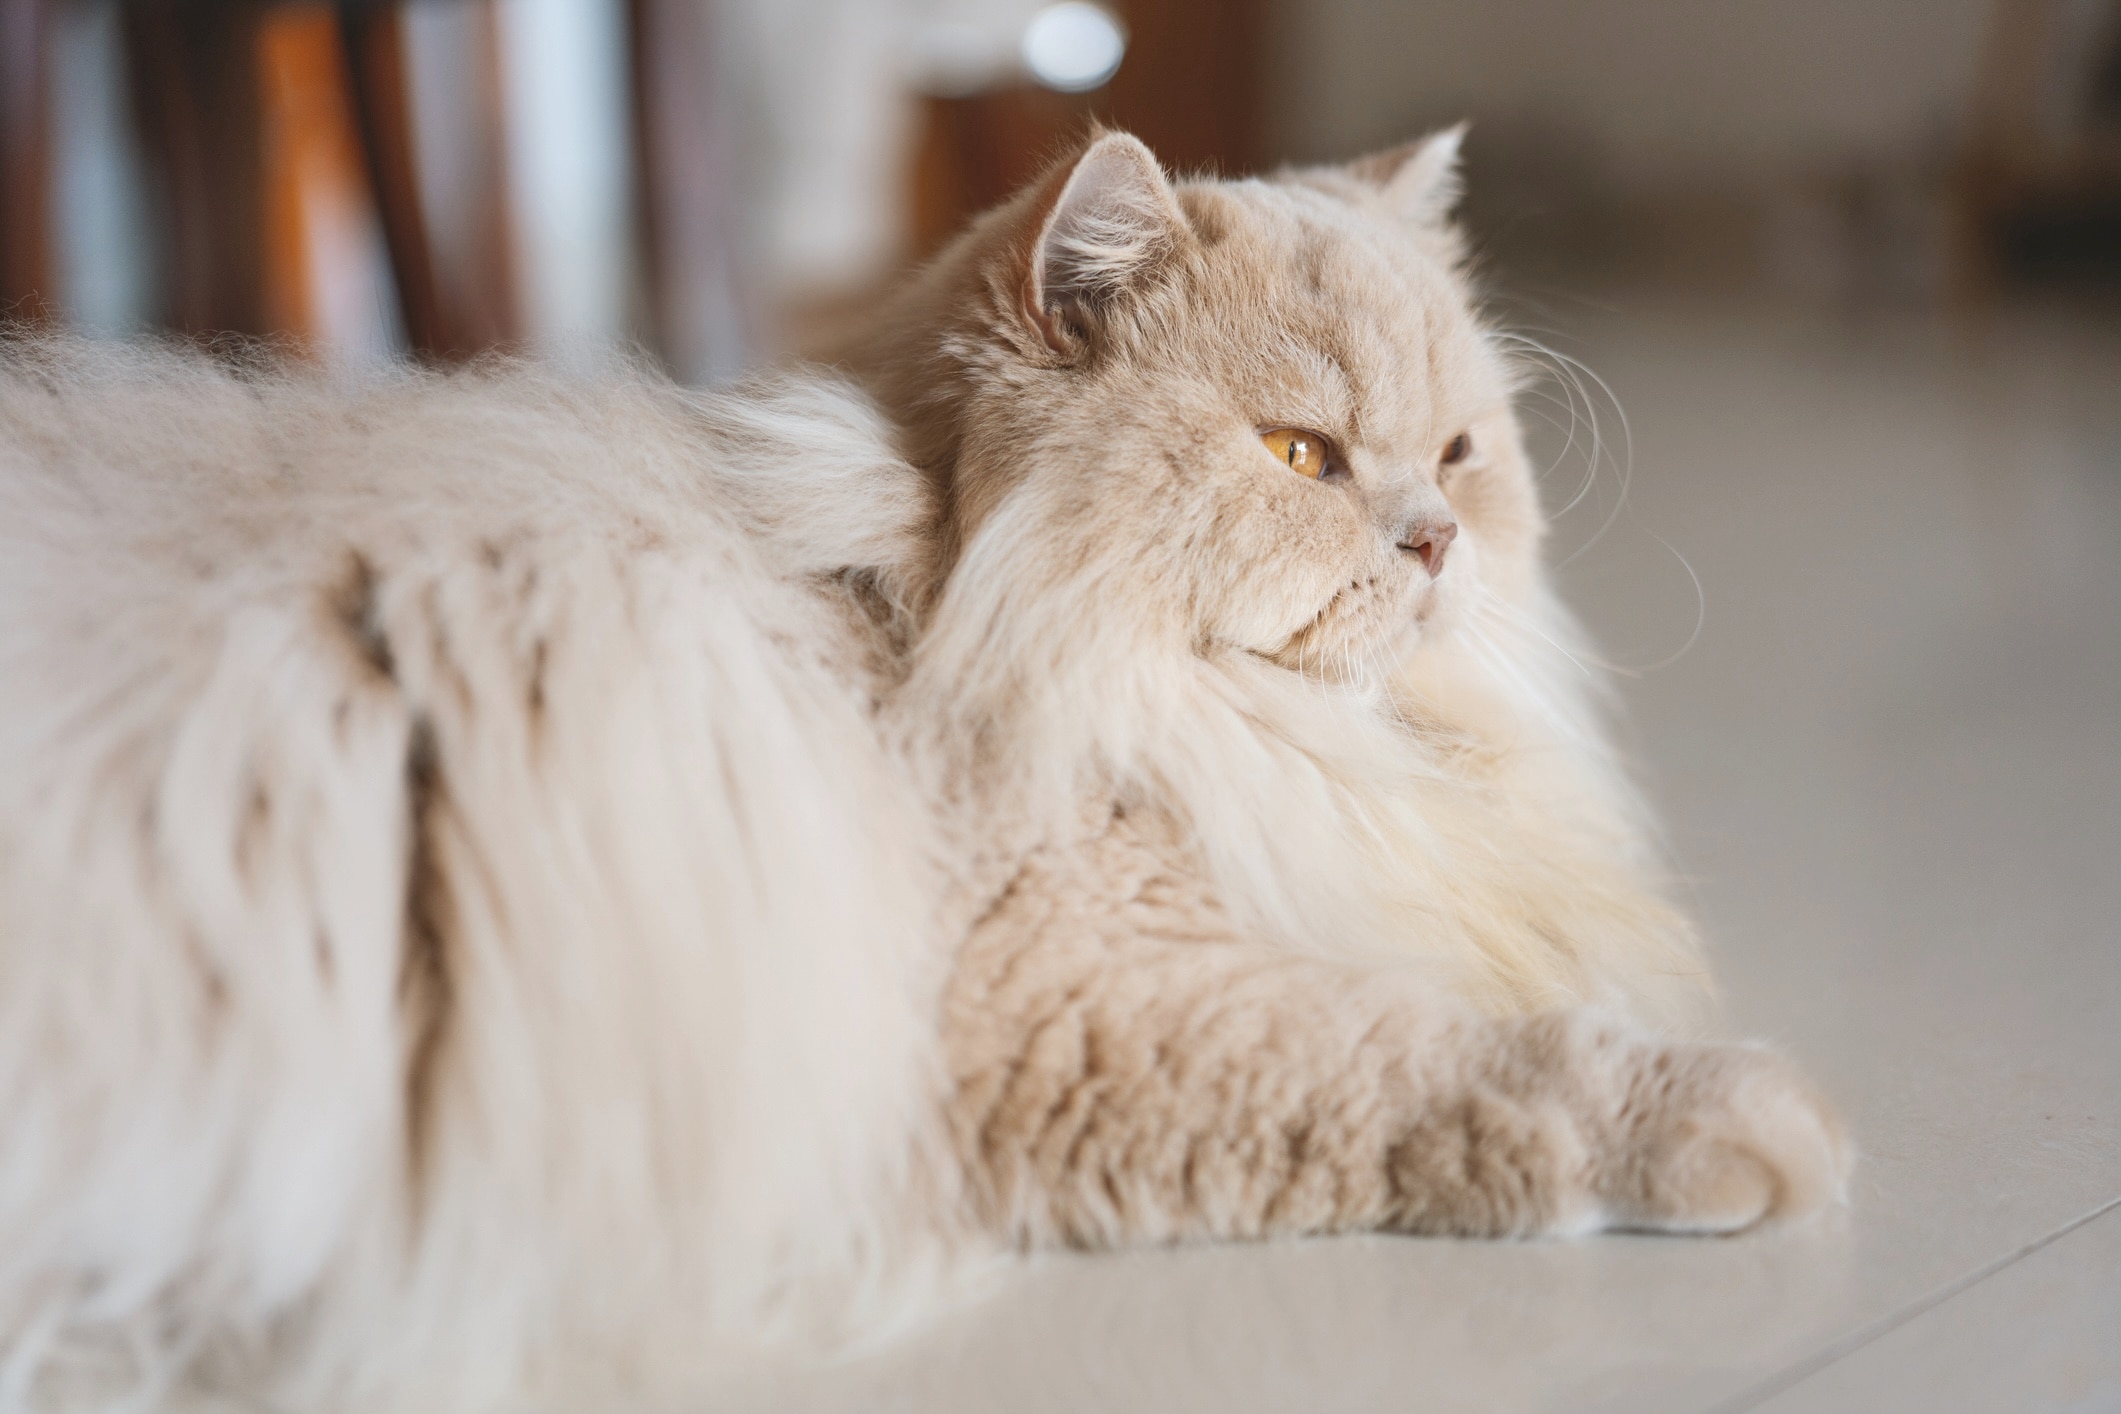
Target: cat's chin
(1363, 634)
(1354, 660)
(1441, 609)
(1418, 632)
(1435, 613)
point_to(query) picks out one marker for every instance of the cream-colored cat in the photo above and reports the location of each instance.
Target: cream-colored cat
(511, 889)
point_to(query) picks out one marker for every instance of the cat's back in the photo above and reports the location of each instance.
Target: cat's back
(161, 508)
(151, 493)
(224, 581)
(174, 460)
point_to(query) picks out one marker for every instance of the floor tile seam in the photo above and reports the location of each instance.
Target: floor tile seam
(1834, 1352)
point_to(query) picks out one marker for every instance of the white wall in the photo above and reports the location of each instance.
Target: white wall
(1662, 89)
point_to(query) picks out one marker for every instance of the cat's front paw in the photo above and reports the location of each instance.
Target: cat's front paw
(1717, 1139)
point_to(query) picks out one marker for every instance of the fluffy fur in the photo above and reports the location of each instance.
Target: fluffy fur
(513, 890)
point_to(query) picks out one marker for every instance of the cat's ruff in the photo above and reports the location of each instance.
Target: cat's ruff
(514, 888)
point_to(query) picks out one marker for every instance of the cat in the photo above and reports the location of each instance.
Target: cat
(512, 889)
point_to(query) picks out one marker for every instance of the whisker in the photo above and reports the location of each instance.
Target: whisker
(1624, 462)
(1701, 604)
(1570, 373)
(1562, 369)
(1509, 616)
(1574, 661)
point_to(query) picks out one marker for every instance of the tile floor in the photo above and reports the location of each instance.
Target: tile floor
(1891, 766)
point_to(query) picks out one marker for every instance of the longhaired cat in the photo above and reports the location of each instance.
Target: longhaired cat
(512, 888)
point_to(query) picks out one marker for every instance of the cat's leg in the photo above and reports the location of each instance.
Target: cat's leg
(1126, 1071)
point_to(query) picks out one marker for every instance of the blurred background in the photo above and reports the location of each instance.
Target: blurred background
(718, 180)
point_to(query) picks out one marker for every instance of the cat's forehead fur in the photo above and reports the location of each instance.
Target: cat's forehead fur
(1310, 289)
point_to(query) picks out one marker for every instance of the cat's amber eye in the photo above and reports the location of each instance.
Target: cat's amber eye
(1458, 449)
(1302, 452)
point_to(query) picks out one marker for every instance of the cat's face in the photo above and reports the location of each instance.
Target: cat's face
(1262, 414)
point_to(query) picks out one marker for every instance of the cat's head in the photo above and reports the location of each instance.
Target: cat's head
(1258, 416)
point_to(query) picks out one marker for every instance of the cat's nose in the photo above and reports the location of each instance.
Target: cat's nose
(1429, 537)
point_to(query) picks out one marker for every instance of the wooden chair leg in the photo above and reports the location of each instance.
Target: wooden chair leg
(27, 289)
(375, 62)
(482, 292)
(195, 84)
(681, 190)
(456, 296)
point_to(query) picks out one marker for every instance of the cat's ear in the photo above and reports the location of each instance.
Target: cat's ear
(1419, 180)
(1100, 224)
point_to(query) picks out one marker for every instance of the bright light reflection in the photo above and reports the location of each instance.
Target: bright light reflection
(1074, 46)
